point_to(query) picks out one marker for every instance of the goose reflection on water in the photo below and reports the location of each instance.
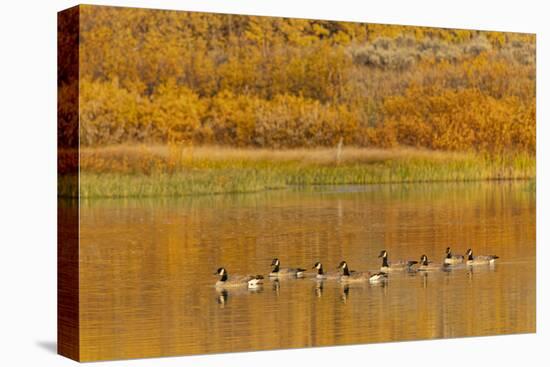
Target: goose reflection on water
(222, 294)
(344, 293)
(276, 286)
(319, 288)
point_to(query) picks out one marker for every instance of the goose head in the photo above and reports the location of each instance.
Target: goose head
(470, 254)
(275, 265)
(319, 267)
(222, 273)
(424, 260)
(344, 267)
(383, 254)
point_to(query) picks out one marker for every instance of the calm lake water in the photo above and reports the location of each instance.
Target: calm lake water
(147, 268)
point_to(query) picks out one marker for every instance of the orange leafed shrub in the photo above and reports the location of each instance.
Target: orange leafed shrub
(110, 113)
(194, 78)
(461, 120)
(176, 111)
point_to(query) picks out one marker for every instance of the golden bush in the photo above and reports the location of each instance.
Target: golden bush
(194, 78)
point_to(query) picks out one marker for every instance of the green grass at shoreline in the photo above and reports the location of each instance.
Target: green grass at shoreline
(241, 173)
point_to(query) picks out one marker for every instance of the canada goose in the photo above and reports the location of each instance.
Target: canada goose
(451, 259)
(322, 275)
(277, 271)
(426, 265)
(251, 281)
(479, 260)
(400, 266)
(351, 277)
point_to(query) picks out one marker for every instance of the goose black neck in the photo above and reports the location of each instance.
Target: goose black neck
(470, 257)
(448, 255)
(385, 262)
(346, 271)
(320, 271)
(275, 268)
(224, 277)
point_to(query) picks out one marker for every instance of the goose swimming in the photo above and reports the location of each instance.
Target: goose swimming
(322, 275)
(277, 271)
(399, 266)
(426, 265)
(251, 281)
(480, 259)
(451, 259)
(350, 276)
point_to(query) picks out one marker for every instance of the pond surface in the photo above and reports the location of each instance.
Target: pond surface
(147, 283)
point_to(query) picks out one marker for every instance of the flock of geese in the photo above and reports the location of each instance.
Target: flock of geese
(345, 275)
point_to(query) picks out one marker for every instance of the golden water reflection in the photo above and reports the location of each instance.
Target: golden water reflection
(147, 284)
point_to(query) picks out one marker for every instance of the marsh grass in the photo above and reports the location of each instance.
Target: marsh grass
(151, 171)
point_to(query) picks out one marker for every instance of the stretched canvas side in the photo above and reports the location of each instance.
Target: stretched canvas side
(68, 332)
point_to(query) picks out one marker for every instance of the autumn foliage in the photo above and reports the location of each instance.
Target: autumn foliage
(161, 77)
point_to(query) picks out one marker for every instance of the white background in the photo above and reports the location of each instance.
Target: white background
(28, 181)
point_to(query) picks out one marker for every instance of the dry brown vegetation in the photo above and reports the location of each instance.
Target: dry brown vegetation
(141, 158)
(141, 170)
